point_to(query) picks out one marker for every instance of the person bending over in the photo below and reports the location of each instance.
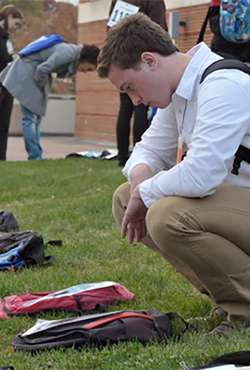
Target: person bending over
(28, 79)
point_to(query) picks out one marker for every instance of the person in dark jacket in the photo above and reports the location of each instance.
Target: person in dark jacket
(10, 18)
(219, 45)
(156, 11)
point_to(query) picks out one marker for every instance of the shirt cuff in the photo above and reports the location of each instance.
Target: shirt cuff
(147, 196)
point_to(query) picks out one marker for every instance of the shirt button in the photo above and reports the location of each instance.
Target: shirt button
(179, 110)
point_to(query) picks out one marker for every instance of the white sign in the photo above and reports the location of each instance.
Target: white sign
(121, 10)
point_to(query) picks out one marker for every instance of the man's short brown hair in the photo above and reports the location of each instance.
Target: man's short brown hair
(128, 39)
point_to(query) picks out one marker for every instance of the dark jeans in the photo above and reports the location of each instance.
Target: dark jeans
(6, 104)
(123, 125)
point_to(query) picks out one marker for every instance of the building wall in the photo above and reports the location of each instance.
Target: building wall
(97, 101)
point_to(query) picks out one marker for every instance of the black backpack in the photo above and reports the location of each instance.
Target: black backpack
(23, 249)
(101, 329)
(8, 221)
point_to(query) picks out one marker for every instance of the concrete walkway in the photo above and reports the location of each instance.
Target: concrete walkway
(55, 147)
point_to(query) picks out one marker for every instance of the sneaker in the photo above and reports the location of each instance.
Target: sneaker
(225, 328)
(218, 312)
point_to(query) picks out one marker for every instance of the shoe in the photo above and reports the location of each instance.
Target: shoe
(224, 329)
(218, 312)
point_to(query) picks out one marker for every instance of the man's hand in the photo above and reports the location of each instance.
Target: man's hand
(134, 218)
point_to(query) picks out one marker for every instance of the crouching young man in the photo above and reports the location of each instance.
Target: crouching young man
(194, 212)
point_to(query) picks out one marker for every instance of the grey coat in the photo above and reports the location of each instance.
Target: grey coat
(29, 80)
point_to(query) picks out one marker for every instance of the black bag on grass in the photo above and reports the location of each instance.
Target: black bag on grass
(101, 329)
(8, 221)
(241, 358)
(23, 249)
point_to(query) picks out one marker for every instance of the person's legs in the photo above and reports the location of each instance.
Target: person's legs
(39, 119)
(31, 133)
(140, 122)
(211, 236)
(6, 104)
(123, 128)
(120, 201)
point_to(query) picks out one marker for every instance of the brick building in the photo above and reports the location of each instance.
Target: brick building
(97, 101)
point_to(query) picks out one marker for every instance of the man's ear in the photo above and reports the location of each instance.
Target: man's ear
(150, 60)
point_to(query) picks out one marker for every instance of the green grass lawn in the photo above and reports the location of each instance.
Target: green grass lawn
(70, 199)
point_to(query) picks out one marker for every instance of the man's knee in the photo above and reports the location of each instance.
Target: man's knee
(164, 223)
(120, 200)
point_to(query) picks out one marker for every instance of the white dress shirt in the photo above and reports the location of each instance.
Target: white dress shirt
(213, 118)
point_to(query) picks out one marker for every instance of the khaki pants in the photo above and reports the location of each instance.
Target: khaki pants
(206, 239)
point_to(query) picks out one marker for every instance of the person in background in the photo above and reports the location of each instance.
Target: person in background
(29, 80)
(10, 18)
(193, 211)
(219, 45)
(155, 10)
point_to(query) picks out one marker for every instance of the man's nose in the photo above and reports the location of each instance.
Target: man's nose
(135, 99)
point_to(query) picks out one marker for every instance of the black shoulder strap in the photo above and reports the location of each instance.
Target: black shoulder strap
(225, 64)
(57, 243)
(203, 27)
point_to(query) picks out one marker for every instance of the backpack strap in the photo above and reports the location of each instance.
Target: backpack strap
(172, 316)
(49, 259)
(57, 243)
(118, 316)
(225, 64)
(203, 27)
(242, 154)
(212, 5)
(100, 307)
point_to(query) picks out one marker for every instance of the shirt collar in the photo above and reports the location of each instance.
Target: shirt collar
(202, 56)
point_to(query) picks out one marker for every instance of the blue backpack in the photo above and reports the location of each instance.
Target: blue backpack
(23, 249)
(235, 20)
(41, 43)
